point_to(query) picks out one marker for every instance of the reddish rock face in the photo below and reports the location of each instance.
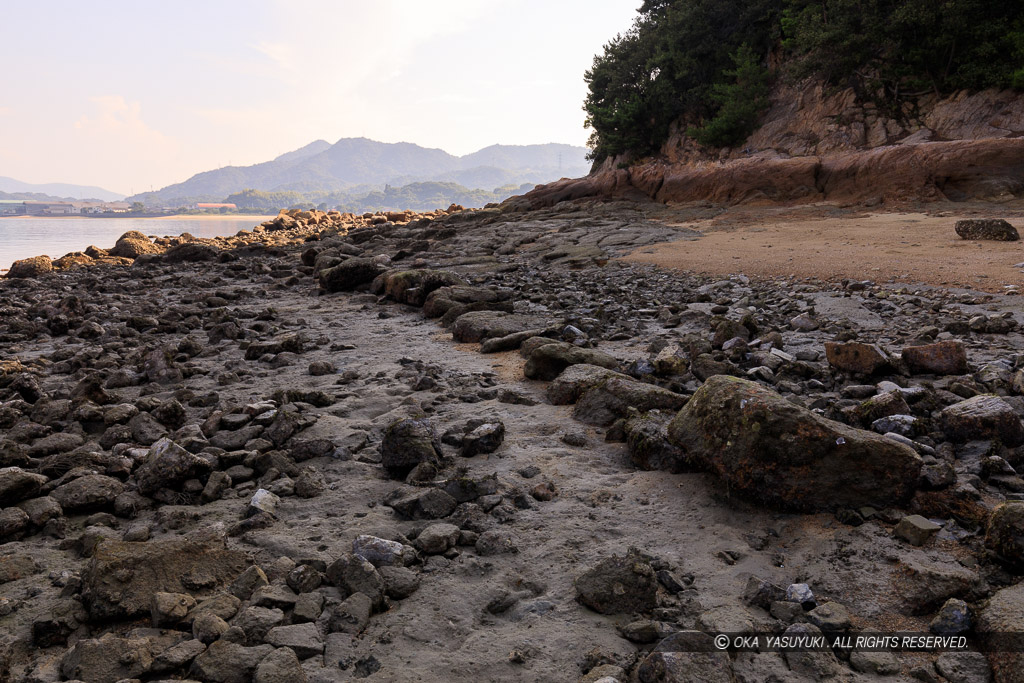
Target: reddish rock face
(941, 358)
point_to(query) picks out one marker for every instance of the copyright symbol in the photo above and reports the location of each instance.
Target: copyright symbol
(721, 641)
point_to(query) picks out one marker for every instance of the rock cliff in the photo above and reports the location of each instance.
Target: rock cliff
(815, 144)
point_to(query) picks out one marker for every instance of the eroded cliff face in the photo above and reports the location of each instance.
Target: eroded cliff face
(816, 144)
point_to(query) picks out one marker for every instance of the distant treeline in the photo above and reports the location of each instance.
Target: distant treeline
(415, 196)
(705, 63)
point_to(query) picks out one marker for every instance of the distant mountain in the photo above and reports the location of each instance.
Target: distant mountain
(57, 190)
(350, 163)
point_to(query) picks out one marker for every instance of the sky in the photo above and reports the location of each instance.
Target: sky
(133, 96)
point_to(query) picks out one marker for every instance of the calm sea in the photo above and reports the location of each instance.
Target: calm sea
(24, 237)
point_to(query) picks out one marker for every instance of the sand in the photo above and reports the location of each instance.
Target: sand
(815, 242)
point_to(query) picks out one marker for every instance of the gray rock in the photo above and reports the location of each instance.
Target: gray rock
(548, 361)
(916, 530)
(280, 666)
(304, 639)
(1005, 532)
(429, 504)
(484, 439)
(352, 615)
(349, 274)
(982, 417)
(16, 485)
(794, 459)
(399, 582)
(964, 667)
(407, 443)
(619, 585)
(355, 575)
(382, 552)
(256, 622)
(437, 538)
(227, 662)
(263, 501)
(167, 465)
(91, 492)
(208, 627)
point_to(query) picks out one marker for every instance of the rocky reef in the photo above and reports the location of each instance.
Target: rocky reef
(478, 445)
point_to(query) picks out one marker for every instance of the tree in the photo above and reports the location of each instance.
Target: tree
(137, 207)
(740, 102)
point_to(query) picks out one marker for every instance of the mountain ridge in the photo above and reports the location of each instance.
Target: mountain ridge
(13, 186)
(353, 162)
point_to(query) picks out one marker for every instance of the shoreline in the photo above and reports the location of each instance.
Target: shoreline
(162, 216)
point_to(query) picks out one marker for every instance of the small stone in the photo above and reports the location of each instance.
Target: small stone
(304, 639)
(303, 579)
(381, 552)
(802, 594)
(916, 530)
(263, 501)
(437, 538)
(170, 608)
(208, 627)
(953, 619)
(484, 439)
(352, 615)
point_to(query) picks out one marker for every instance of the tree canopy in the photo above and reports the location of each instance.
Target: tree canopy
(704, 63)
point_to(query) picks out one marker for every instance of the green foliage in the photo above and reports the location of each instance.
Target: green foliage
(740, 102)
(680, 61)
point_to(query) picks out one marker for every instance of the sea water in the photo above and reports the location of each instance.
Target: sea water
(24, 237)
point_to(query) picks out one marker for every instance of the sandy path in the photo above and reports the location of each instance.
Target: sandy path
(883, 247)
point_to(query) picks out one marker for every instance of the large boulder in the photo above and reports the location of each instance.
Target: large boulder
(122, 576)
(30, 267)
(783, 455)
(168, 465)
(133, 244)
(982, 417)
(856, 357)
(577, 380)
(349, 274)
(986, 229)
(413, 286)
(441, 300)
(476, 326)
(602, 404)
(407, 443)
(1001, 623)
(941, 358)
(16, 485)
(547, 362)
(619, 585)
(1005, 532)
(91, 492)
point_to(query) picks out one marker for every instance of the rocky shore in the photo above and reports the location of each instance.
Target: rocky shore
(477, 445)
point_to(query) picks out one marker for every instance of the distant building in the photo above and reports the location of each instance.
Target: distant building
(19, 207)
(12, 207)
(205, 205)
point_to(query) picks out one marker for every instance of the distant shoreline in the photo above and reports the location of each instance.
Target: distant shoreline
(158, 216)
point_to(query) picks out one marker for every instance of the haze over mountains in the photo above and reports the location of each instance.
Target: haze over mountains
(354, 164)
(16, 189)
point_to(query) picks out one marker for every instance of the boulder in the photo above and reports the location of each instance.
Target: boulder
(686, 657)
(476, 326)
(167, 465)
(941, 358)
(16, 485)
(280, 666)
(349, 274)
(122, 576)
(604, 403)
(986, 229)
(619, 585)
(191, 252)
(783, 455)
(413, 286)
(856, 357)
(1002, 615)
(576, 380)
(484, 439)
(30, 267)
(227, 662)
(548, 361)
(1005, 532)
(648, 443)
(133, 244)
(407, 443)
(982, 417)
(91, 492)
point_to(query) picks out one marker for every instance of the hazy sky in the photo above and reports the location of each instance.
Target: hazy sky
(133, 94)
